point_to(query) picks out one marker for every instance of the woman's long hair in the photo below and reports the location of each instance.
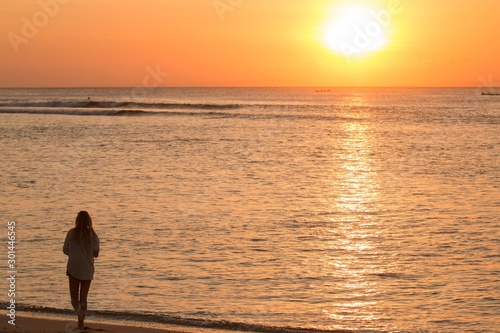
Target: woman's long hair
(83, 228)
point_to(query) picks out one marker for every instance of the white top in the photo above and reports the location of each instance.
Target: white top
(81, 256)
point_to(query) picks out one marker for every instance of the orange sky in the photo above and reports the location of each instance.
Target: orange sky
(58, 43)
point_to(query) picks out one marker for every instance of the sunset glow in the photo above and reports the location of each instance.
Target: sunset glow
(249, 43)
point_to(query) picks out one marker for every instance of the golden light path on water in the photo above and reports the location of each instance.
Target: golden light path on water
(354, 199)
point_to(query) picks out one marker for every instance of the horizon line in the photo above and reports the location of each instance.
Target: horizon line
(225, 86)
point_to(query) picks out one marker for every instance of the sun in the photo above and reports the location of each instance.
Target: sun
(357, 30)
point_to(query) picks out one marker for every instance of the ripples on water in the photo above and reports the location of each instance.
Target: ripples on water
(377, 210)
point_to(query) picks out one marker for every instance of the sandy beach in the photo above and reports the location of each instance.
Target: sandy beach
(30, 324)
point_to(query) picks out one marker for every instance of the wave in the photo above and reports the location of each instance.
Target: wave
(211, 110)
(125, 105)
(101, 112)
(176, 320)
(206, 114)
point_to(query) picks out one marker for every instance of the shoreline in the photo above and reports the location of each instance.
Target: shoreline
(33, 323)
(49, 320)
(33, 319)
(28, 321)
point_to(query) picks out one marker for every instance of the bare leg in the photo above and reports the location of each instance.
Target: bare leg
(74, 285)
(84, 291)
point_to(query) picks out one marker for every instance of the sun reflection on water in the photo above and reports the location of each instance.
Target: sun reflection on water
(354, 204)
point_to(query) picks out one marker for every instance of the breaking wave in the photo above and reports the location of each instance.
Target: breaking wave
(125, 105)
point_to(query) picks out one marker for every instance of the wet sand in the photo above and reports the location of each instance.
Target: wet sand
(29, 324)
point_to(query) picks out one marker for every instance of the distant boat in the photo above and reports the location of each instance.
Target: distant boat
(322, 90)
(490, 94)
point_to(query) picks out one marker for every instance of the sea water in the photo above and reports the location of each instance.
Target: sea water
(326, 209)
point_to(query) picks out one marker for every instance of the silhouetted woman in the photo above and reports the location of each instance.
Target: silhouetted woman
(81, 246)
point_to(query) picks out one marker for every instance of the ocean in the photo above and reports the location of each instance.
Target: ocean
(357, 209)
